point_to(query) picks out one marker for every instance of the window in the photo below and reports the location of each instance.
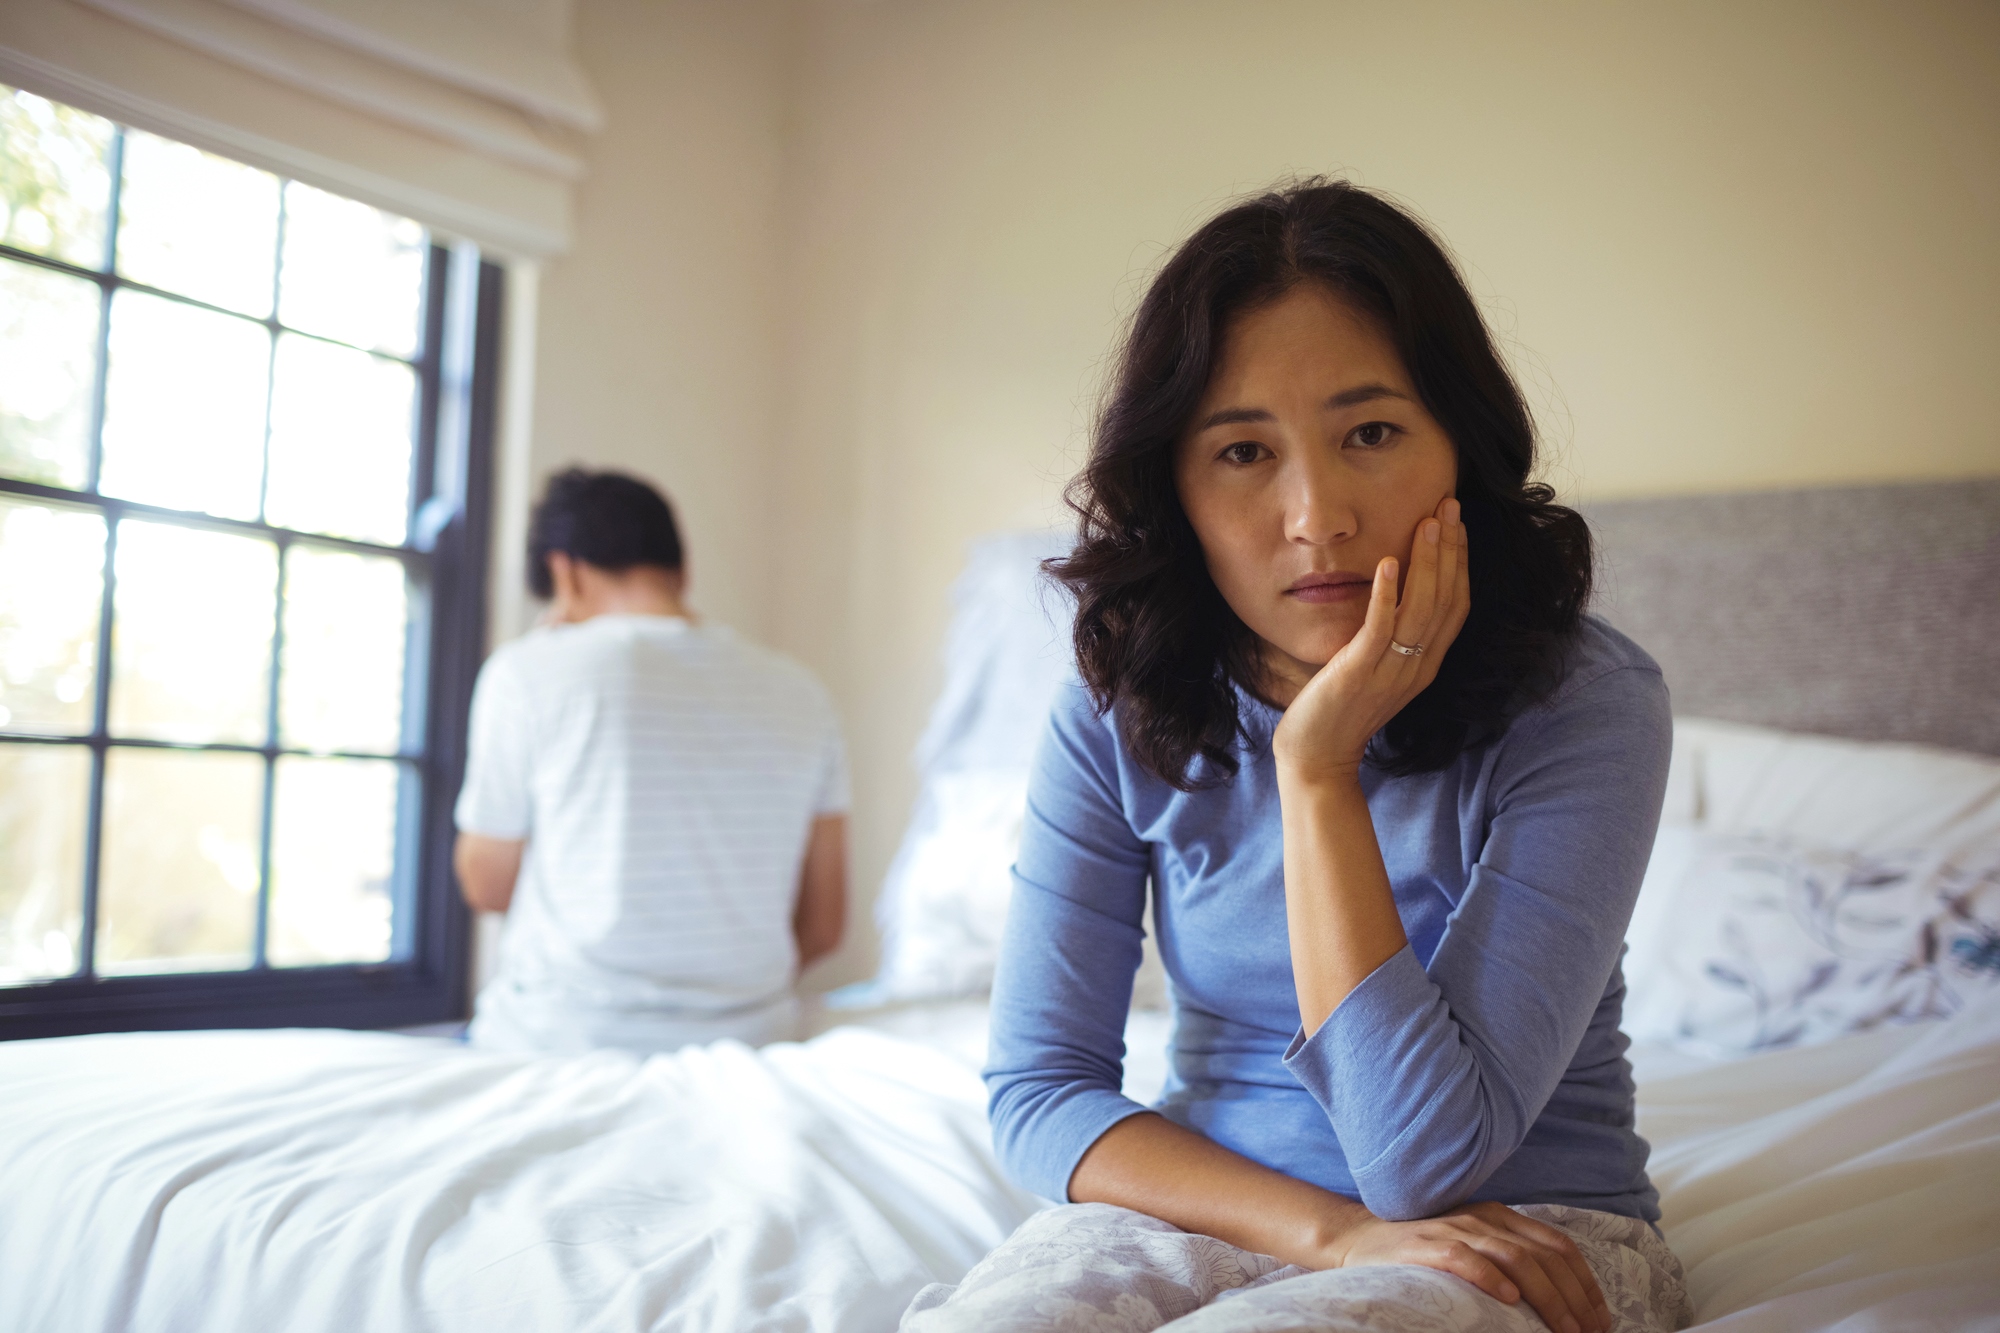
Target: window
(244, 426)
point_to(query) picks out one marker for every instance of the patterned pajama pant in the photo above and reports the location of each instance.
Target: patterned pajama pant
(1093, 1268)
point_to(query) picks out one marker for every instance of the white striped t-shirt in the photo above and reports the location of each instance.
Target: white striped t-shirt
(666, 776)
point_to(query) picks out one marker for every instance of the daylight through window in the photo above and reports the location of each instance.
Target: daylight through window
(213, 396)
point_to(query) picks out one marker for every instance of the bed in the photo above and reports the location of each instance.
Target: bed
(1827, 1151)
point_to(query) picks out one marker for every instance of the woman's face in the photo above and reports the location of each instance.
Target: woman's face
(1308, 459)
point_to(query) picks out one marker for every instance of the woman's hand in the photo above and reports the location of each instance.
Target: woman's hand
(1506, 1255)
(1327, 727)
(1340, 909)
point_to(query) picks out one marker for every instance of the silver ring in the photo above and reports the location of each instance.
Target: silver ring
(1417, 651)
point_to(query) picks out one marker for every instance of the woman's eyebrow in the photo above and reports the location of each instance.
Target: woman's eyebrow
(1360, 393)
(1363, 393)
(1347, 397)
(1233, 416)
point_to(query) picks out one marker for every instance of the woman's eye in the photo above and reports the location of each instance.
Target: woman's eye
(1243, 451)
(1373, 435)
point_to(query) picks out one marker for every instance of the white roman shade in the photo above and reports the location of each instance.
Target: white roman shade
(468, 115)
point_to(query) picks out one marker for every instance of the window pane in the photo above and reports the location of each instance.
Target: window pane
(51, 579)
(44, 796)
(184, 407)
(346, 617)
(54, 184)
(48, 351)
(191, 636)
(177, 884)
(333, 849)
(340, 441)
(351, 272)
(197, 224)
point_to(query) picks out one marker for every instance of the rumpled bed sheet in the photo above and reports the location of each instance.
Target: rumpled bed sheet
(1851, 1186)
(341, 1181)
(345, 1181)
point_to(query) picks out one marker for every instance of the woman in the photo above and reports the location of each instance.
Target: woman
(1394, 792)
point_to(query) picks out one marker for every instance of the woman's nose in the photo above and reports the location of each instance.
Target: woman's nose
(1320, 508)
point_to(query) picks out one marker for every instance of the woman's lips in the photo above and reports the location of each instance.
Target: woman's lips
(1336, 587)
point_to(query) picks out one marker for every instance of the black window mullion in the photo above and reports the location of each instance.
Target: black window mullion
(271, 356)
(115, 203)
(100, 715)
(221, 747)
(113, 281)
(423, 458)
(262, 934)
(468, 361)
(191, 518)
(95, 468)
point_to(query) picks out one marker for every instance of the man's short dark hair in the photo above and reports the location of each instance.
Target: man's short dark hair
(606, 519)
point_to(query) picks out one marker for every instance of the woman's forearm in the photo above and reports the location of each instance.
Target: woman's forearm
(1151, 1165)
(1339, 907)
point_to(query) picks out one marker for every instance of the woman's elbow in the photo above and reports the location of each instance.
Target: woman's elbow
(1008, 1113)
(1434, 1167)
(1018, 1113)
(1408, 1186)
(1408, 1198)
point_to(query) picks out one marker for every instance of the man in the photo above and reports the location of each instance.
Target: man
(657, 805)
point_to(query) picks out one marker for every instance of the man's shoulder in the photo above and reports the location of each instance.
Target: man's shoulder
(513, 661)
(556, 658)
(755, 657)
(538, 653)
(705, 658)
(712, 658)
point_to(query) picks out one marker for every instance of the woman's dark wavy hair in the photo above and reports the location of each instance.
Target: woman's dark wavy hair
(1153, 635)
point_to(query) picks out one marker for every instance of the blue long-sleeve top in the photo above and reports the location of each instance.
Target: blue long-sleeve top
(1482, 1061)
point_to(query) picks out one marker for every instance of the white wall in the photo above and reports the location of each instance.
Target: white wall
(657, 336)
(847, 270)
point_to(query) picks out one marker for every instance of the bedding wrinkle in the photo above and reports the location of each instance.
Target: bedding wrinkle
(820, 1186)
(1955, 1295)
(1863, 1167)
(1882, 1113)
(802, 1186)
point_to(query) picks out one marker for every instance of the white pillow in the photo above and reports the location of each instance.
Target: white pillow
(945, 899)
(954, 876)
(951, 880)
(944, 902)
(1803, 887)
(1006, 654)
(1858, 795)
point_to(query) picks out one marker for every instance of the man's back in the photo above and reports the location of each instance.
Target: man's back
(665, 776)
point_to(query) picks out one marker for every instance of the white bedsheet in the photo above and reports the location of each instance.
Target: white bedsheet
(330, 1180)
(348, 1181)
(1854, 1185)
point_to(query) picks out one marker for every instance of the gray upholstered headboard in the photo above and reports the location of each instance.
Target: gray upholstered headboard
(1870, 611)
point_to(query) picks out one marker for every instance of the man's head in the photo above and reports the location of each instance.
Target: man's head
(607, 531)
